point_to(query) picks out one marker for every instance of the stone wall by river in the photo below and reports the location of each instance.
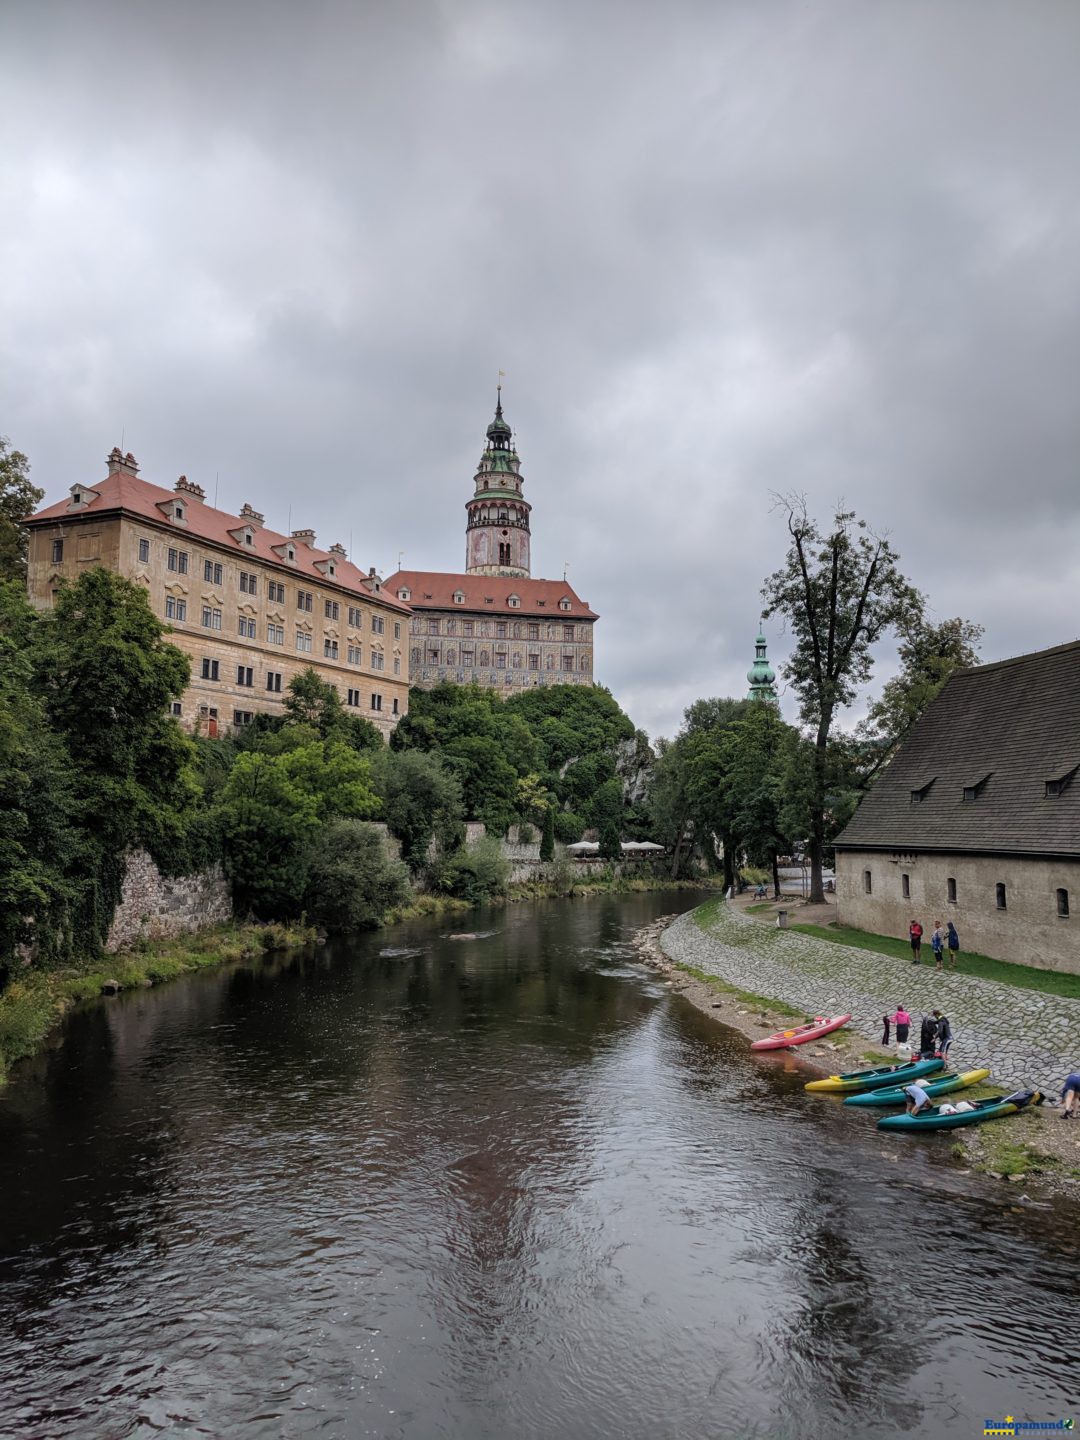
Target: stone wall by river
(153, 907)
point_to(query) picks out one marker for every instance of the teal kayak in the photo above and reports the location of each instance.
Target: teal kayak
(894, 1094)
(932, 1118)
(857, 1080)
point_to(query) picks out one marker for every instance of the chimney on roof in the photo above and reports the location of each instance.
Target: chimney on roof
(247, 512)
(339, 549)
(121, 464)
(188, 487)
(306, 537)
(374, 580)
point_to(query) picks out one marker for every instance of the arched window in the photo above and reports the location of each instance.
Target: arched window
(1001, 898)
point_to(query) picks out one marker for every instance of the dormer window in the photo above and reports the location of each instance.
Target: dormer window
(331, 568)
(249, 536)
(564, 603)
(514, 601)
(459, 597)
(290, 552)
(404, 593)
(1057, 787)
(972, 792)
(178, 510)
(919, 795)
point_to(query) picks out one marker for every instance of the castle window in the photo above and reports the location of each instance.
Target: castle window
(275, 634)
(534, 660)
(246, 625)
(564, 604)
(178, 561)
(378, 625)
(500, 629)
(504, 553)
(209, 669)
(568, 662)
(175, 708)
(175, 609)
(433, 627)
(241, 718)
(144, 551)
(950, 890)
(1001, 897)
(356, 618)
(397, 671)
(433, 656)
(377, 660)
(1063, 904)
(404, 594)
(568, 632)
(459, 597)
(275, 591)
(534, 632)
(290, 552)
(303, 642)
(500, 659)
(867, 882)
(376, 702)
(249, 583)
(353, 698)
(273, 681)
(330, 649)
(467, 658)
(211, 618)
(397, 629)
(466, 627)
(394, 706)
(585, 661)
(355, 655)
(304, 600)
(331, 610)
(905, 886)
(514, 601)
(57, 551)
(211, 573)
(245, 676)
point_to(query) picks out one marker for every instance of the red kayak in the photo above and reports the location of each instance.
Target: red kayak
(820, 1025)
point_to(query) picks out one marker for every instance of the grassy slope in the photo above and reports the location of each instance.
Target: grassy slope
(1051, 982)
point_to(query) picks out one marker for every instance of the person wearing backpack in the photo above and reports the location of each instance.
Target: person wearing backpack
(952, 939)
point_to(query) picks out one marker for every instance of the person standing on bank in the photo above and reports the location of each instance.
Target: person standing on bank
(944, 1034)
(953, 941)
(902, 1021)
(915, 936)
(937, 943)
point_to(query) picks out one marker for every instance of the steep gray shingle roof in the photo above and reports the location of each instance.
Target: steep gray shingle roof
(1016, 722)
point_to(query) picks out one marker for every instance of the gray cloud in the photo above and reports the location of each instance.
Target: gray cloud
(721, 250)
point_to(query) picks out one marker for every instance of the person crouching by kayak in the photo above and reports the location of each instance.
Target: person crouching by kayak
(1069, 1093)
(902, 1021)
(915, 1097)
(944, 1035)
(928, 1032)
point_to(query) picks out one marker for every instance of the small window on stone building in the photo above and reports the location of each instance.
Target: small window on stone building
(867, 882)
(1001, 899)
(950, 890)
(57, 551)
(905, 886)
(144, 551)
(175, 708)
(1063, 904)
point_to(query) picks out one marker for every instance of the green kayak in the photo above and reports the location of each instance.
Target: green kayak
(894, 1095)
(856, 1080)
(932, 1118)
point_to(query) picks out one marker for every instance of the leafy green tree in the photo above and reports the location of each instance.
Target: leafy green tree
(547, 839)
(39, 885)
(18, 499)
(351, 881)
(532, 798)
(756, 750)
(316, 704)
(569, 827)
(106, 676)
(839, 592)
(271, 811)
(421, 801)
(928, 656)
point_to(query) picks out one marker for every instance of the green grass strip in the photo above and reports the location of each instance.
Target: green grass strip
(1005, 972)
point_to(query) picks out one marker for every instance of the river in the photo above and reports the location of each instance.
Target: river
(509, 1186)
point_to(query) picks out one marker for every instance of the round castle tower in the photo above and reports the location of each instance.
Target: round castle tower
(497, 536)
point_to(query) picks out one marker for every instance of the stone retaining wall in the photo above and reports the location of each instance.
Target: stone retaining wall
(152, 907)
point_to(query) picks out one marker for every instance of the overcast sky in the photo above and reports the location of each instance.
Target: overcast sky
(720, 249)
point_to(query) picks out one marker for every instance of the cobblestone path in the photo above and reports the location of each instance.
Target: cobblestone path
(1025, 1036)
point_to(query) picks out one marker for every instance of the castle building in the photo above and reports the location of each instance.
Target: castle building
(493, 623)
(249, 606)
(761, 674)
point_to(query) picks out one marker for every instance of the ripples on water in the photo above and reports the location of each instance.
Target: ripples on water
(492, 1188)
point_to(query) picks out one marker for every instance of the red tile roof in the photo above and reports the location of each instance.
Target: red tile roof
(127, 493)
(486, 594)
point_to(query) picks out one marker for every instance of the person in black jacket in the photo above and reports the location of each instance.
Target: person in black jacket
(944, 1034)
(928, 1037)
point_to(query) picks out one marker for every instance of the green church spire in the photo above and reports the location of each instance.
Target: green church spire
(761, 675)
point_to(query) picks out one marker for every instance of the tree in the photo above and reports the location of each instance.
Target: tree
(547, 840)
(313, 702)
(755, 753)
(840, 593)
(928, 656)
(271, 811)
(106, 676)
(352, 882)
(18, 499)
(421, 801)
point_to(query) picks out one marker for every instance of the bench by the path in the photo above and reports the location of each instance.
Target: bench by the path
(1026, 1036)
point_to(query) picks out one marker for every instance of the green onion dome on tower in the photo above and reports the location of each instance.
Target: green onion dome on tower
(761, 674)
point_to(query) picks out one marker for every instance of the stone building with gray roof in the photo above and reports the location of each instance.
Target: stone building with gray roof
(977, 819)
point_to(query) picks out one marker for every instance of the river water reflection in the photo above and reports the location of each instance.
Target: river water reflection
(500, 1187)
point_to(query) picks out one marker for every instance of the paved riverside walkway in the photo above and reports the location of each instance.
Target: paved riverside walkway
(1026, 1036)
